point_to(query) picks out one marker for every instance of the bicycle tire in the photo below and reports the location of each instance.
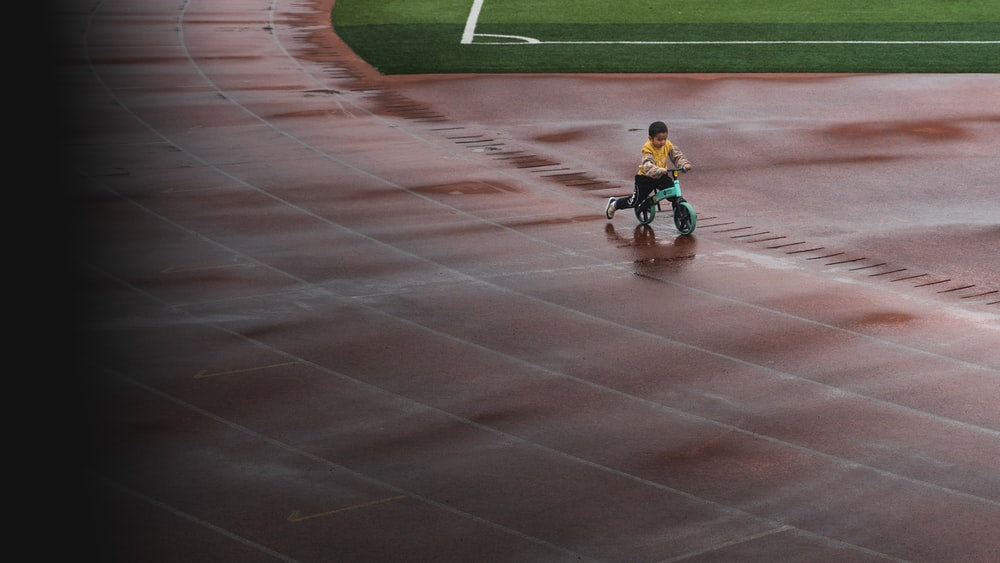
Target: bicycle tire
(645, 214)
(685, 218)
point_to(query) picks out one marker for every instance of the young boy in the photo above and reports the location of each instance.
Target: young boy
(657, 154)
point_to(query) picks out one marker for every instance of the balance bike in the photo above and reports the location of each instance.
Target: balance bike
(683, 214)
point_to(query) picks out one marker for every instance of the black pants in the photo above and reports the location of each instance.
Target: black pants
(644, 185)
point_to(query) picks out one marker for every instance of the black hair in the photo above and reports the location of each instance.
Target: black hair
(657, 127)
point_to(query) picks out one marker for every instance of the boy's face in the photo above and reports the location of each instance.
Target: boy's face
(659, 140)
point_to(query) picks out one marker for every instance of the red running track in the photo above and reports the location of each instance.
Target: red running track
(333, 316)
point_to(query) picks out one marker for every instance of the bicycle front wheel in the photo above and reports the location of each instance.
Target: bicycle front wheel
(684, 218)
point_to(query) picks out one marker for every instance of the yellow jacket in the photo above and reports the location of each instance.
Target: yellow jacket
(655, 161)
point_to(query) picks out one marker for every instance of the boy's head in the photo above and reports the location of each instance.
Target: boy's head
(658, 133)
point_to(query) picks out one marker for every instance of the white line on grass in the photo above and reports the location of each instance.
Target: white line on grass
(469, 35)
(470, 24)
(532, 41)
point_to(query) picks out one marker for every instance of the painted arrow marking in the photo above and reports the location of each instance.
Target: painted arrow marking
(296, 516)
(205, 373)
(175, 270)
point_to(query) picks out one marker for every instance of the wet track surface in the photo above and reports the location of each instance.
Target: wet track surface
(333, 316)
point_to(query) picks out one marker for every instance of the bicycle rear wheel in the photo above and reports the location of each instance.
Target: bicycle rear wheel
(645, 214)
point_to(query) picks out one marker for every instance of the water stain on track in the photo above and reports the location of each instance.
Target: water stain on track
(932, 130)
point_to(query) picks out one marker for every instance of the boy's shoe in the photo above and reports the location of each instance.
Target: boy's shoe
(609, 211)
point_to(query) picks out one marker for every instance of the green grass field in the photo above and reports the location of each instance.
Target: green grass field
(607, 36)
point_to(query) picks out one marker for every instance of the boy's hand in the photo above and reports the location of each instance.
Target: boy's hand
(687, 167)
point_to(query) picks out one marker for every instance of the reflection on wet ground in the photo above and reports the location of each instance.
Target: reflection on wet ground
(650, 253)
